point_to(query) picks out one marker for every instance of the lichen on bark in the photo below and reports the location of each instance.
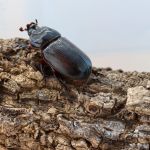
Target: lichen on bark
(110, 112)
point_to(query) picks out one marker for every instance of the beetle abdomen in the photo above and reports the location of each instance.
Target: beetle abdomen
(67, 59)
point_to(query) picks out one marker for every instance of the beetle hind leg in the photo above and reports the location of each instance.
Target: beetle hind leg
(59, 78)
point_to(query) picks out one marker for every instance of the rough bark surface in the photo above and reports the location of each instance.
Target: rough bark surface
(111, 112)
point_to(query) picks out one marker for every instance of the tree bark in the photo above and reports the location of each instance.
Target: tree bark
(111, 112)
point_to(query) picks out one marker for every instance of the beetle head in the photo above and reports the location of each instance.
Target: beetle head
(29, 26)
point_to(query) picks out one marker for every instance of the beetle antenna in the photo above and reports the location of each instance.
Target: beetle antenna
(28, 26)
(21, 29)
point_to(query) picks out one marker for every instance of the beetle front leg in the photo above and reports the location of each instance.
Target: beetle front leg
(42, 68)
(42, 71)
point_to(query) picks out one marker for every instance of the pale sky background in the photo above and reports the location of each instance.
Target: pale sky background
(113, 33)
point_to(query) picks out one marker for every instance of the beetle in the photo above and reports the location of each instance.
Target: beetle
(64, 58)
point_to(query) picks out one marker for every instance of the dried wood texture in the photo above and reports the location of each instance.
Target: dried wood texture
(112, 112)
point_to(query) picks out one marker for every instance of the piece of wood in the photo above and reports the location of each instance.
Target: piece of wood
(111, 113)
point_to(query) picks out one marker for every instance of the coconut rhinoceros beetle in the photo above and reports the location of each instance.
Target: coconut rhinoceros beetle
(63, 57)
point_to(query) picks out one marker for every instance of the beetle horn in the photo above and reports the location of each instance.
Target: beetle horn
(36, 21)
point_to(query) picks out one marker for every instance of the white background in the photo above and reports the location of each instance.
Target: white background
(114, 33)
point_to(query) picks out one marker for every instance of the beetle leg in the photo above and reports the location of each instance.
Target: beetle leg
(60, 80)
(42, 71)
(42, 63)
(65, 86)
(41, 67)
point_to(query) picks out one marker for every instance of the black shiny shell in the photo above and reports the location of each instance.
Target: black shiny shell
(67, 59)
(41, 35)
